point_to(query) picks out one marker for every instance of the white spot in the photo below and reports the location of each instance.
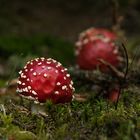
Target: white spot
(85, 41)
(64, 87)
(45, 75)
(30, 98)
(115, 51)
(42, 58)
(54, 61)
(23, 84)
(48, 62)
(28, 79)
(56, 71)
(39, 64)
(31, 69)
(26, 89)
(20, 72)
(68, 75)
(65, 78)
(58, 83)
(106, 39)
(71, 87)
(65, 69)
(34, 92)
(36, 102)
(28, 62)
(31, 63)
(36, 98)
(24, 76)
(92, 38)
(49, 68)
(71, 82)
(49, 59)
(78, 43)
(89, 30)
(25, 67)
(82, 34)
(56, 92)
(20, 90)
(26, 70)
(29, 87)
(73, 97)
(17, 90)
(19, 82)
(34, 73)
(36, 59)
(62, 70)
(23, 89)
(58, 65)
(43, 67)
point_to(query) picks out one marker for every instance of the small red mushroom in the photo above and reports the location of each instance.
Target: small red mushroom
(95, 45)
(96, 50)
(45, 79)
(91, 52)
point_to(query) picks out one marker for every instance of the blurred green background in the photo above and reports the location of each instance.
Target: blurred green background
(49, 28)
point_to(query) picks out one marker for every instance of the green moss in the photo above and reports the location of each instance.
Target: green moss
(95, 118)
(76, 120)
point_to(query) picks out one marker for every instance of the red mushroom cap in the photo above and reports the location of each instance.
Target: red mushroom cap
(95, 44)
(90, 53)
(92, 34)
(45, 79)
(97, 33)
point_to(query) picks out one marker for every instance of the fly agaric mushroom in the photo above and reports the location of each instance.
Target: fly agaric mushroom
(45, 79)
(91, 53)
(95, 45)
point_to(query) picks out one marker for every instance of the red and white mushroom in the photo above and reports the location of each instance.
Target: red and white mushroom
(97, 44)
(45, 79)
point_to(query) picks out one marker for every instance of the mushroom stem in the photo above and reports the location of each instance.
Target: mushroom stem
(38, 109)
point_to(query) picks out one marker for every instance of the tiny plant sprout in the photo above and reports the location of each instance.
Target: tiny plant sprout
(113, 95)
(45, 79)
(95, 45)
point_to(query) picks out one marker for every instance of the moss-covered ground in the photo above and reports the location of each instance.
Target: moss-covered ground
(93, 118)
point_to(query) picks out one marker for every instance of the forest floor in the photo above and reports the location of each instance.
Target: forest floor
(90, 117)
(28, 31)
